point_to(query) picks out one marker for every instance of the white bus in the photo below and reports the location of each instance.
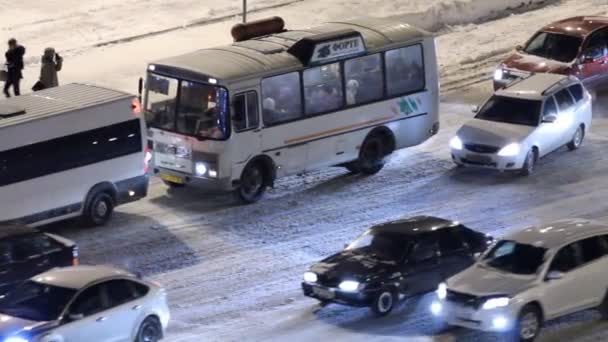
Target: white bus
(74, 150)
(278, 102)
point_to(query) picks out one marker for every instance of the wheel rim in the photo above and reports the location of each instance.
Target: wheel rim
(578, 137)
(528, 326)
(149, 333)
(101, 209)
(252, 181)
(385, 302)
(372, 153)
(530, 161)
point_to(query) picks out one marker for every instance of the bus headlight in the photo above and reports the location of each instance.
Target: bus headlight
(498, 74)
(200, 168)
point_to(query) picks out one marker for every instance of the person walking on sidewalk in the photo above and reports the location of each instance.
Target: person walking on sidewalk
(14, 67)
(51, 63)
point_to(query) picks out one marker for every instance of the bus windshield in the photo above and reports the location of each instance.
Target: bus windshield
(187, 107)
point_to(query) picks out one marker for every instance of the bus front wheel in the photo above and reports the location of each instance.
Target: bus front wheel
(253, 183)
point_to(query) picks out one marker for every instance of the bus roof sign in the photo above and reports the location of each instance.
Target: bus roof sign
(330, 47)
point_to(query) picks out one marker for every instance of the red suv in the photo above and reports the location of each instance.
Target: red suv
(575, 46)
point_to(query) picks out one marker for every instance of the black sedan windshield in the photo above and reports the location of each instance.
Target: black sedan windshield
(559, 47)
(384, 246)
(511, 110)
(515, 257)
(36, 301)
(186, 107)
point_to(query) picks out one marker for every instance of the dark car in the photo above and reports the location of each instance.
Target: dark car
(26, 252)
(394, 260)
(575, 46)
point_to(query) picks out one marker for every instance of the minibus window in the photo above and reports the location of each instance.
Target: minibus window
(281, 98)
(364, 79)
(404, 70)
(161, 100)
(323, 89)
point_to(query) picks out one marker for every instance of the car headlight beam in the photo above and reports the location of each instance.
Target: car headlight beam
(510, 150)
(494, 303)
(349, 285)
(456, 143)
(16, 339)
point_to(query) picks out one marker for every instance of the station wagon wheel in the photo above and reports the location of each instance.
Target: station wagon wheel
(371, 156)
(253, 184)
(384, 302)
(528, 324)
(530, 163)
(577, 139)
(149, 331)
(99, 209)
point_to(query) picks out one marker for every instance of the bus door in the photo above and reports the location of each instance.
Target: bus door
(246, 123)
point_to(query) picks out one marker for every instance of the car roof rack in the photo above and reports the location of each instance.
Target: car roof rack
(561, 82)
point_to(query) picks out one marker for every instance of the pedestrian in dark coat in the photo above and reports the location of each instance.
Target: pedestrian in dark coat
(51, 63)
(14, 67)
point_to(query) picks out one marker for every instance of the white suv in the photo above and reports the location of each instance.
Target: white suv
(524, 122)
(531, 276)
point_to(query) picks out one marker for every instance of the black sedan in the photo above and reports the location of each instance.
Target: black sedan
(26, 252)
(394, 260)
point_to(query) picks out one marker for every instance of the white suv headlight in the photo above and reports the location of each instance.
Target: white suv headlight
(510, 150)
(349, 285)
(442, 291)
(498, 74)
(310, 277)
(456, 143)
(494, 303)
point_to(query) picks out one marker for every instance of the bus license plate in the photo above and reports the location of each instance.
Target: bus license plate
(323, 293)
(172, 179)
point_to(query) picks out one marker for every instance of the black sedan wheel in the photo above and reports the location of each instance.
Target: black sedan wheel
(149, 331)
(384, 303)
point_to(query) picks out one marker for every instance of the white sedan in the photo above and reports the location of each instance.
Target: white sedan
(84, 303)
(524, 122)
(531, 276)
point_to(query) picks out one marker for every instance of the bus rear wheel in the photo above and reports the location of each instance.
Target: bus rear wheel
(99, 209)
(253, 183)
(371, 155)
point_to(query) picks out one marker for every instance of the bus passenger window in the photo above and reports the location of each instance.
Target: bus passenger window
(281, 98)
(323, 89)
(364, 79)
(404, 70)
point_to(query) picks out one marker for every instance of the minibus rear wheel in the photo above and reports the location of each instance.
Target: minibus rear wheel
(371, 155)
(99, 209)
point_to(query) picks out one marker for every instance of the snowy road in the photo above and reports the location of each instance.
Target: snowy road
(233, 272)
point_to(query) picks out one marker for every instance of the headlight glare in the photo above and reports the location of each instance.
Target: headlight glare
(310, 277)
(16, 339)
(494, 303)
(498, 74)
(442, 291)
(200, 168)
(349, 285)
(456, 143)
(510, 150)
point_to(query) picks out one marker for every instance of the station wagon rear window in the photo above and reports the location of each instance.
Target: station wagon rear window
(511, 110)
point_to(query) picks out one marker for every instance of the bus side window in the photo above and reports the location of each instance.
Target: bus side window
(245, 111)
(364, 79)
(281, 98)
(323, 89)
(404, 70)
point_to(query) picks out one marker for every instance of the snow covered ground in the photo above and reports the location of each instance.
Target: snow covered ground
(232, 271)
